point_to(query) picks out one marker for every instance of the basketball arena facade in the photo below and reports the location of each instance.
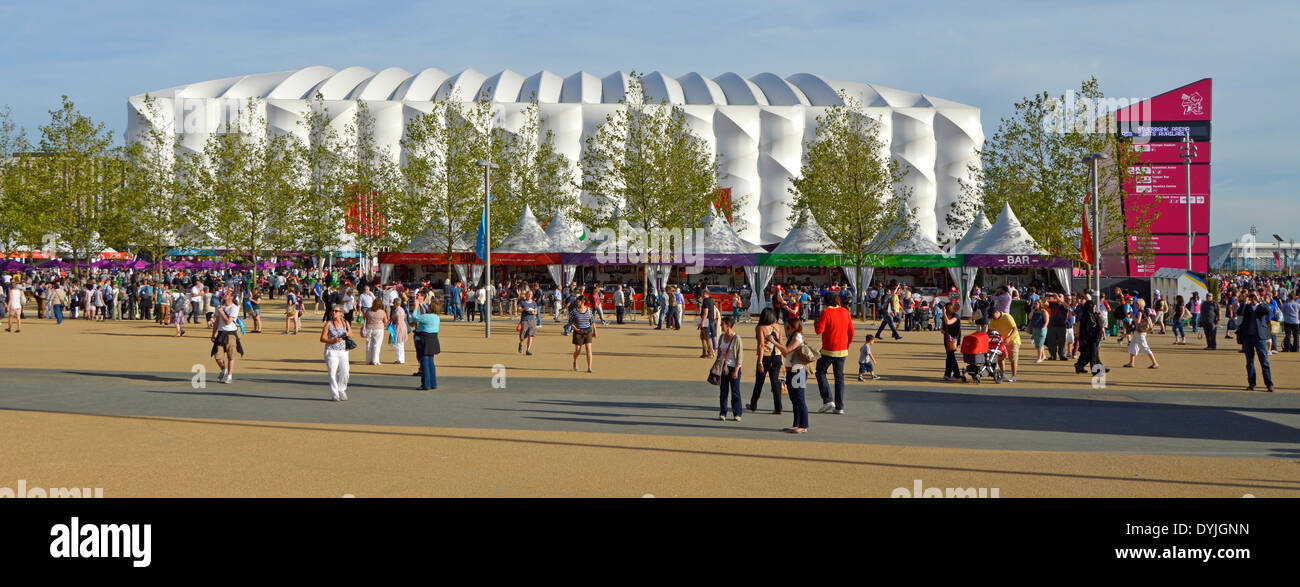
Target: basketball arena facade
(760, 125)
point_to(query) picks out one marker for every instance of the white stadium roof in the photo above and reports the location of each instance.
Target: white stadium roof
(759, 124)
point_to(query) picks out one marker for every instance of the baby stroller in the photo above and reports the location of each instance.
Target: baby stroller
(981, 351)
(926, 317)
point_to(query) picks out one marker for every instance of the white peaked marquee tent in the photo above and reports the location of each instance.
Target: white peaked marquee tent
(564, 239)
(722, 246)
(1008, 244)
(527, 244)
(965, 276)
(806, 245)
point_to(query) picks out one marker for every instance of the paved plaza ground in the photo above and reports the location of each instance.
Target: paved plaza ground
(112, 405)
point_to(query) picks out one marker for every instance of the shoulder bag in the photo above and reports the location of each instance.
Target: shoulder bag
(715, 372)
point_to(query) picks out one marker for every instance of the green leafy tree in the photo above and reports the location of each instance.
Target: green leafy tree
(16, 223)
(317, 221)
(645, 166)
(852, 186)
(75, 183)
(243, 185)
(374, 188)
(532, 174)
(1033, 162)
(444, 184)
(154, 197)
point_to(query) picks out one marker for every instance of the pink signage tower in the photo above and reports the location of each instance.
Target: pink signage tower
(1172, 115)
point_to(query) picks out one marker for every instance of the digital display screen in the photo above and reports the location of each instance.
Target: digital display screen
(1164, 132)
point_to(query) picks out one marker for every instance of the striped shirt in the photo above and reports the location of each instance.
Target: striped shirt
(580, 320)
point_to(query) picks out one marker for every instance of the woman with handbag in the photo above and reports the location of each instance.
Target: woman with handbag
(1179, 315)
(980, 315)
(951, 328)
(337, 338)
(426, 329)
(727, 369)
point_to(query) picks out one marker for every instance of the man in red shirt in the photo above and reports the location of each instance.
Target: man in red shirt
(836, 327)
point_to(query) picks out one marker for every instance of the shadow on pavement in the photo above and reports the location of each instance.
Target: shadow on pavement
(1083, 416)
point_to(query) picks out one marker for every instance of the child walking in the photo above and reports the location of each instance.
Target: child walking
(866, 360)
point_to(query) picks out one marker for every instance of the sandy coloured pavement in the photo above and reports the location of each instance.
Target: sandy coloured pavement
(152, 456)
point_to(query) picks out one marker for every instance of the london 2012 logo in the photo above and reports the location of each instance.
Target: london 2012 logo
(1192, 104)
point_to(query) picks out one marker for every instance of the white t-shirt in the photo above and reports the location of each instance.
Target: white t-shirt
(481, 296)
(367, 300)
(196, 294)
(16, 299)
(231, 311)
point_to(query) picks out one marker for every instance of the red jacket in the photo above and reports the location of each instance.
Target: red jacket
(836, 327)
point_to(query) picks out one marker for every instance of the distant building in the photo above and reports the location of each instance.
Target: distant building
(1255, 255)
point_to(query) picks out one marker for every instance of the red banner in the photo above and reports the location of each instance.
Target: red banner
(362, 217)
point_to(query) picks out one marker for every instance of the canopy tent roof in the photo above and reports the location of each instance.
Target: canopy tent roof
(527, 244)
(806, 237)
(1008, 244)
(564, 237)
(719, 247)
(890, 241)
(806, 245)
(434, 241)
(720, 238)
(978, 228)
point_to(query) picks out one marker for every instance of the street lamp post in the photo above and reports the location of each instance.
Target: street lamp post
(487, 166)
(1092, 160)
(1188, 152)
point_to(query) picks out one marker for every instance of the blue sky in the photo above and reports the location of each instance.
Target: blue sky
(987, 54)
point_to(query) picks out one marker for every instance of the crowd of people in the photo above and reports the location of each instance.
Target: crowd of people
(229, 305)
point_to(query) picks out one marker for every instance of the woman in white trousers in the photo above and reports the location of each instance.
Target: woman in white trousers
(374, 328)
(400, 329)
(336, 353)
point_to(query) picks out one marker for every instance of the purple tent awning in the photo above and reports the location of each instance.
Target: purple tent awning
(708, 259)
(1016, 261)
